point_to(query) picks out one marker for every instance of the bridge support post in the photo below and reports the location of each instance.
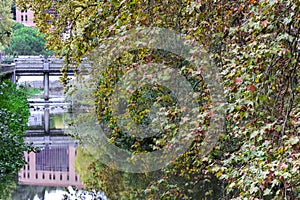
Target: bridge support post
(46, 81)
(13, 76)
(47, 120)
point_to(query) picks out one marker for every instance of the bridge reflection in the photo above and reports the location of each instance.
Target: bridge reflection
(54, 165)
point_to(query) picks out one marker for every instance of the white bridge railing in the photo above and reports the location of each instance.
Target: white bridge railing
(40, 66)
(37, 66)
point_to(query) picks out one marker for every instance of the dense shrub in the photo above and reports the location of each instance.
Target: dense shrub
(14, 113)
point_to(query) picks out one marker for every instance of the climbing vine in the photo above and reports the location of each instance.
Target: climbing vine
(254, 44)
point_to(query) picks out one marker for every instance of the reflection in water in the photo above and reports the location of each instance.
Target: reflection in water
(53, 159)
(37, 192)
(53, 166)
(36, 120)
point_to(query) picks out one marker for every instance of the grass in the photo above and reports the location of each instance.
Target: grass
(31, 92)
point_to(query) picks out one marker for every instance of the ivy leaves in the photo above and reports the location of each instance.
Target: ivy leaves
(6, 22)
(255, 45)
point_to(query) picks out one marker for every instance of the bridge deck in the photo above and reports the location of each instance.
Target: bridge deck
(6, 69)
(40, 133)
(41, 72)
(38, 66)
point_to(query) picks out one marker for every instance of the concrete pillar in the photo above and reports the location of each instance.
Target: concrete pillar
(46, 81)
(47, 120)
(13, 78)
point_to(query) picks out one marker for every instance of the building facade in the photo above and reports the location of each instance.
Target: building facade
(25, 17)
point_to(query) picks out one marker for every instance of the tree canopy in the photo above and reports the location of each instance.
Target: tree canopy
(254, 44)
(26, 41)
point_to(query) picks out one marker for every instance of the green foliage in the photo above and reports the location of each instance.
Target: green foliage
(30, 91)
(26, 41)
(6, 22)
(261, 79)
(14, 113)
(14, 100)
(115, 184)
(255, 45)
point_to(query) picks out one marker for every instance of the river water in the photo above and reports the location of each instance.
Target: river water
(49, 173)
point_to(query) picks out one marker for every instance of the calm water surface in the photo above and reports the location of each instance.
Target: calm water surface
(49, 172)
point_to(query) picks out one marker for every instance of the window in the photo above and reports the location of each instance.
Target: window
(26, 18)
(22, 18)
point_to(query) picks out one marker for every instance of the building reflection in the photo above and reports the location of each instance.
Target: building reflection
(54, 165)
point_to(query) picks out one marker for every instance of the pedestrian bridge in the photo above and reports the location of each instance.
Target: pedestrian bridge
(39, 66)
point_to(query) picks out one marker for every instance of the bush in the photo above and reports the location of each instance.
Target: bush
(14, 113)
